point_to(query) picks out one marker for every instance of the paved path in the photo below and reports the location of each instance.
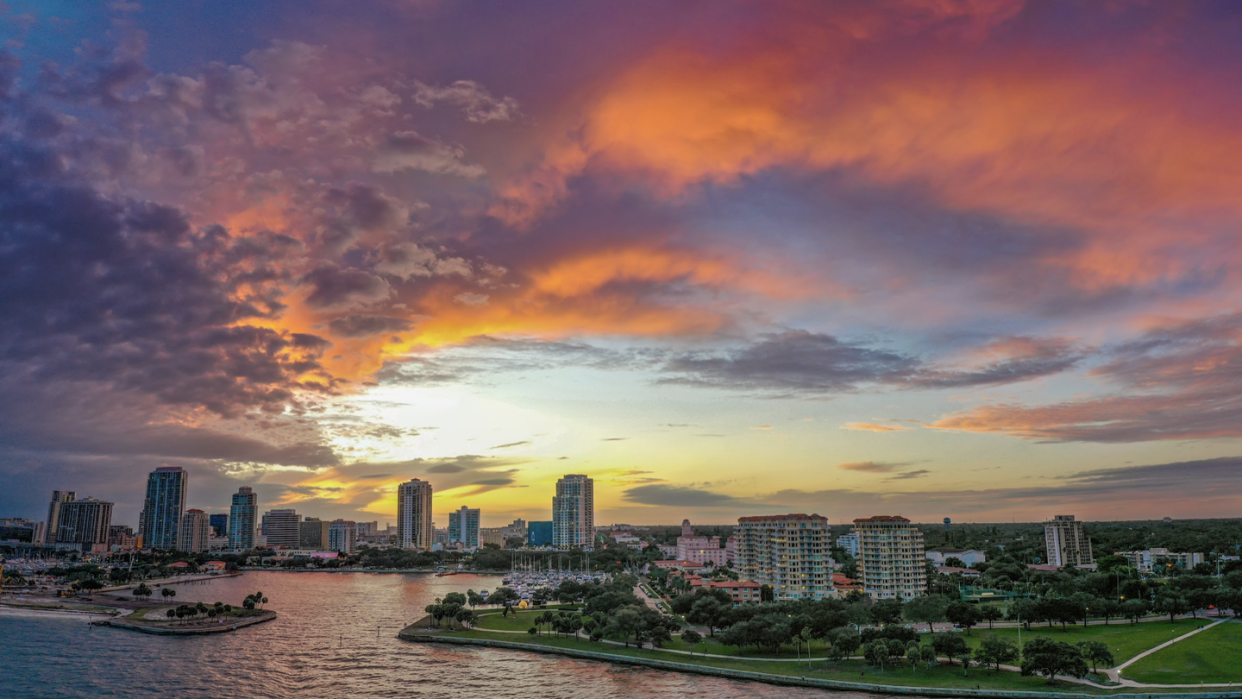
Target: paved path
(1115, 673)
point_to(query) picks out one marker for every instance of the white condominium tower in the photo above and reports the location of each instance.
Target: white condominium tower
(790, 553)
(573, 513)
(1066, 542)
(891, 561)
(414, 526)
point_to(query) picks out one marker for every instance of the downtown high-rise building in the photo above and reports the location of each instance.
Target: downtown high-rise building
(313, 534)
(1066, 543)
(573, 513)
(789, 553)
(242, 515)
(194, 532)
(162, 508)
(86, 523)
(463, 527)
(342, 535)
(219, 524)
(414, 526)
(283, 528)
(59, 497)
(891, 561)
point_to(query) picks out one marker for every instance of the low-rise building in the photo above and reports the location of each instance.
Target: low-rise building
(678, 565)
(1159, 560)
(703, 549)
(741, 591)
(968, 556)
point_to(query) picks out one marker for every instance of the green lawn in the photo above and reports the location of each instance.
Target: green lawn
(1212, 656)
(848, 671)
(516, 621)
(1124, 639)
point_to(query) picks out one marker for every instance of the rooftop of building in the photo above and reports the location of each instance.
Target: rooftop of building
(882, 518)
(781, 518)
(727, 584)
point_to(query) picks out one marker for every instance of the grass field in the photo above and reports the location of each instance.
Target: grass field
(1125, 640)
(1212, 656)
(516, 621)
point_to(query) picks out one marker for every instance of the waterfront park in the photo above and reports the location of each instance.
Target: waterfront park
(1194, 652)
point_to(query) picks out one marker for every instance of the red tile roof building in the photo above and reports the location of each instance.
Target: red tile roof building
(742, 591)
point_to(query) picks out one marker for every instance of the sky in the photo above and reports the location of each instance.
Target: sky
(977, 259)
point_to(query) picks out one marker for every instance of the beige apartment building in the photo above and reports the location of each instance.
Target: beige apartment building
(788, 552)
(1066, 543)
(891, 560)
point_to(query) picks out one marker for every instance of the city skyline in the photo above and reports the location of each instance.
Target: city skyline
(978, 260)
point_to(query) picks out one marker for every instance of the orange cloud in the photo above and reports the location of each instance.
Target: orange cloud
(1031, 139)
(873, 427)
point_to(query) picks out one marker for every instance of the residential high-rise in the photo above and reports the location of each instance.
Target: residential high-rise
(193, 532)
(788, 552)
(849, 543)
(86, 523)
(464, 527)
(241, 519)
(313, 534)
(1066, 542)
(342, 535)
(283, 528)
(220, 524)
(59, 497)
(891, 560)
(414, 527)
(573, 513)
(539, 534)
(162, 507)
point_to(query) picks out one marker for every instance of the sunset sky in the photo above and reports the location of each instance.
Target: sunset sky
(939, 258)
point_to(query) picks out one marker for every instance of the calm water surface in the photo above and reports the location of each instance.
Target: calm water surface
(335, 637)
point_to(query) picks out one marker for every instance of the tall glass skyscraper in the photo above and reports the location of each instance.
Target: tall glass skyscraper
(220, 523)
(573, 513)
(241, 519)
(162, 507)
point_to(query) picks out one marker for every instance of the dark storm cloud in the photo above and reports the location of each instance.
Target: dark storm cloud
(363, 326)
(1177, 381)
(802, 362)
(676, 496)
(333, 287)
(794, 361)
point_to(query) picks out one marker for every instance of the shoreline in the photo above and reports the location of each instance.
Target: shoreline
(84, 614)
(413, 635)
